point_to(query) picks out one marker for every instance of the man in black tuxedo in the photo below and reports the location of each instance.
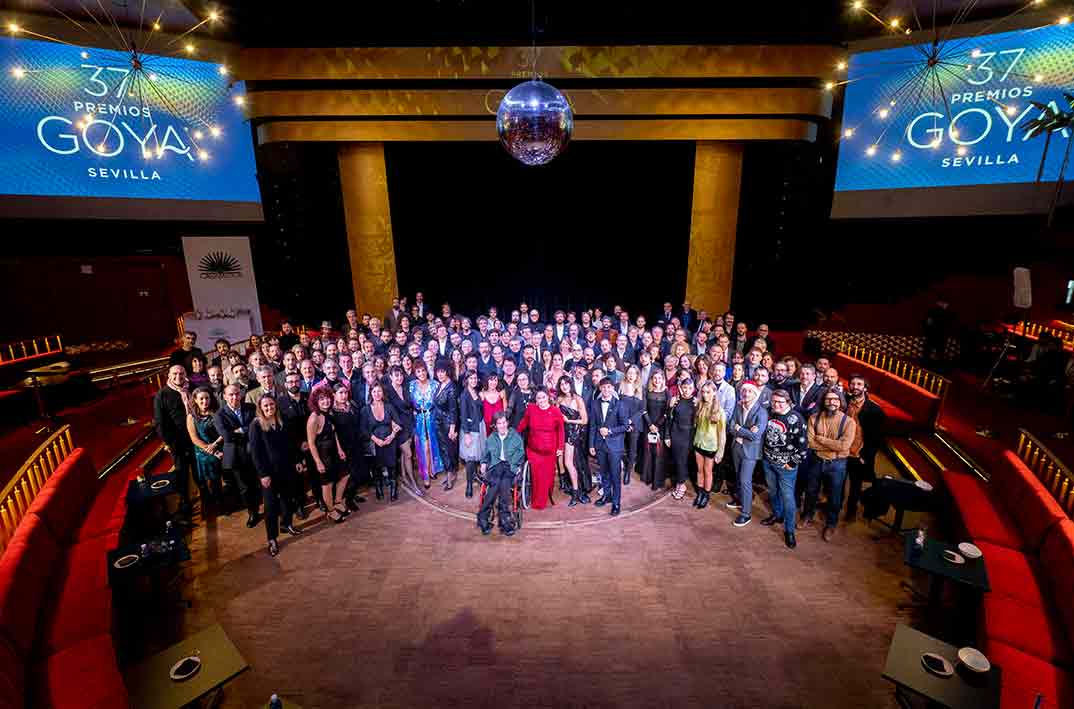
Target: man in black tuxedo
(233, 424)
(169, 417)
(688, 317)
(608, 424)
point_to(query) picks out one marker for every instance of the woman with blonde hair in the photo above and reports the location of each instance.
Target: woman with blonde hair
(632, 396)
(276, 463)
(711, 425)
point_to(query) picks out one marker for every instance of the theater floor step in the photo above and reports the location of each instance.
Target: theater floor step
(911, 461)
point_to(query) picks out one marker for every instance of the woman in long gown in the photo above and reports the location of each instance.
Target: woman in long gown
(680, 434)
(472, 424)
(573, 409)
(633, 400)
(426, 446)
(398, 397)
(543, 445)
(446, 405)
(654, 450)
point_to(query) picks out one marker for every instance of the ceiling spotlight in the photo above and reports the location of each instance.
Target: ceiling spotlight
(953, 133)
(883, 113)
(152, 77)
(871, 150)
(857, 4)
(84, 55)
(101, 146)
(895, 24)
(88, 118)
(223, 70)
(80, 125)
(13, 28)
(18, 72)
(907, 31)
(1011, 110)
(1064, 20)
(197, 135)
(896, 156)
(214, 132)
(829, 86)
(961, 150)
(203, 155)
(156, 27)
(1038, 78)
(240, 100)
(891, 102)
(841, 66)
(848, 133)
(214, 16)
(189, 48)
(935, 143)
(975, 53)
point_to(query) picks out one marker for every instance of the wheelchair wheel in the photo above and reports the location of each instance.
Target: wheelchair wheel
(526, 485)
(518, 518)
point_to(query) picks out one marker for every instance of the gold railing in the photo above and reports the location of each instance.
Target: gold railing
(925, 378)
(1036, 329)
(1051, 472)
(115, 373)
(20, 492)
(23, 349)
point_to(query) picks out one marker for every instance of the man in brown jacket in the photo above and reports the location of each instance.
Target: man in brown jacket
(831, 433)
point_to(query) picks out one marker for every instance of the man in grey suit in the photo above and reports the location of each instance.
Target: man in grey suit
(233, 423)
(746, 430)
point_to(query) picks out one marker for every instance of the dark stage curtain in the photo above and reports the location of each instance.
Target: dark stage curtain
(605, 223)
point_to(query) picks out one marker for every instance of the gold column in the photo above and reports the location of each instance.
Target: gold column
(364, 180)
(713, 225)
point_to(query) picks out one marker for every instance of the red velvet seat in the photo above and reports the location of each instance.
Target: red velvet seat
(1024, 676)
(102, 518)
(79, 603)
(900, 422)
(1028, 502)
(12, 676)
(1034, 630)
(920, 405)
(1057, 565)
(981, 516)
(84, 675)
(1015, 574)
(25, 572)
(62, 502)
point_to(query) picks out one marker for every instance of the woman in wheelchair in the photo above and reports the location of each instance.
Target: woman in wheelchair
(504, 457)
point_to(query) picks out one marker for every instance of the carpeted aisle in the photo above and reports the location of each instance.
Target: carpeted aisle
(405, 606)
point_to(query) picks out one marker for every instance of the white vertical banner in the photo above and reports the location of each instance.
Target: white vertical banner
(222, 284)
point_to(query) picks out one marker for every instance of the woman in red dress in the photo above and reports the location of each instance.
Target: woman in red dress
(544, 443)
(493, 400)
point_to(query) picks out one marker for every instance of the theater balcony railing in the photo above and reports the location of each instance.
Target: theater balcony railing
(19, 350)
(1034, 330)
(892, 364)
(1052, 473)
(19, 494)
(126, 371)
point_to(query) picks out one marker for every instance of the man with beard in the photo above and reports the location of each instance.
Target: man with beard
(291, 405)
(831, 432)
(869, 436)
(785, 443)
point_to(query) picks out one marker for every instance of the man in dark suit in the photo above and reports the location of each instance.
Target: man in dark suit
(391, 318)
(233, 424)
(362, 391)
(868, 438)
(608, 424)
(746, 433)
(169, 417)
(291, 404)
(688, 317)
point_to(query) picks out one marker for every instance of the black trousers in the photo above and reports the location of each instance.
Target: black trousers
(278, 503)
(499, 479)
(858, 472)
(611, 466)
(449, 449)
(183, 460)
(248, 485)
(630, 454)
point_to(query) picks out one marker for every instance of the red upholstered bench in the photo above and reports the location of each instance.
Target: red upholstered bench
(55, 604)
(908, 406)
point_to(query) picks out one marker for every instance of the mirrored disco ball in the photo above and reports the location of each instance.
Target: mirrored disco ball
(534, 122)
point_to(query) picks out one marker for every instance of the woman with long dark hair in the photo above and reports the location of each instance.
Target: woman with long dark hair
(201, 426)
(276, 463)
(327, 453)
(399, 399)
(446, 405)
(575, 416)
(426, 442)
(346, 417)
(493, 399)
(654, 418)
(380, 426)
(472, 424)
(632, 397)
(680, 435)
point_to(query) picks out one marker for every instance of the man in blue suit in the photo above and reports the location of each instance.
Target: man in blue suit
(746, 431)
(608, 423)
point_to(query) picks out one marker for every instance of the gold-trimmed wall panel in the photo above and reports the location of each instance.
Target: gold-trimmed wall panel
(418, 63)
(713, 225)
(485, 130)
(364, 182)
(478, 102)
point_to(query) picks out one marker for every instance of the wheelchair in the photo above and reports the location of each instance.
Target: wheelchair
(520, 496)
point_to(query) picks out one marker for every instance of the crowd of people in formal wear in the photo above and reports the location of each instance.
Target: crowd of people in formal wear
(591, 401)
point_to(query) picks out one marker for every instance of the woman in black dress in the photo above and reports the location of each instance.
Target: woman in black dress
(633, 400)
(446, 405)
(345, 417)
(327, 453)
(472, 425)
(397, 397)
(574, 413)
(519, 398)
(276, 463)
(680, 434)
(653, 420)
(380, 426)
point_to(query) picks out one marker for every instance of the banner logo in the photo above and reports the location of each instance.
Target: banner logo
(219, 264)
